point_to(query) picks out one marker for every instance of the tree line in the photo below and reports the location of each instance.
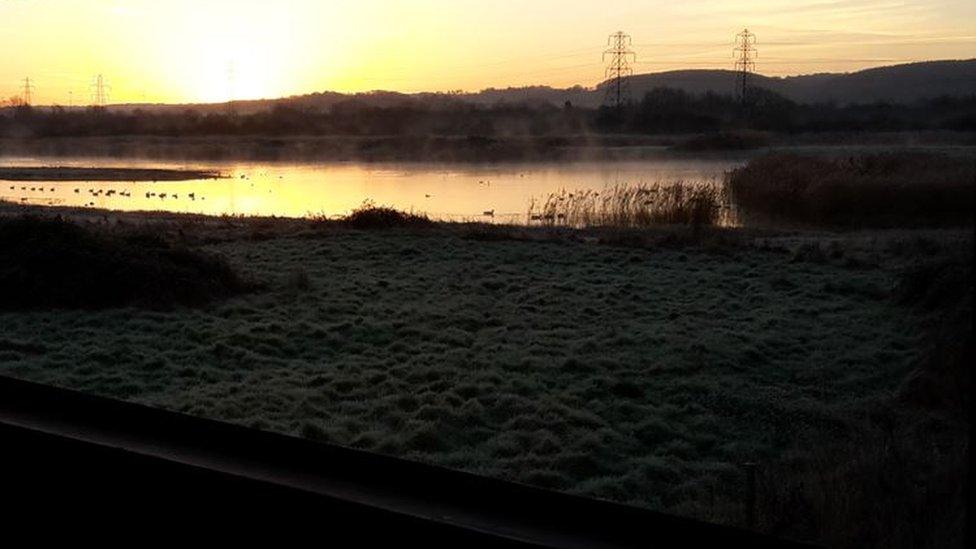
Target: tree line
(660, 111)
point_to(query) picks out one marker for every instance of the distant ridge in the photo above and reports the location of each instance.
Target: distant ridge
(893, 84)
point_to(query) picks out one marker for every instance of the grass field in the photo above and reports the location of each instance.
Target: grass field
(641, 370)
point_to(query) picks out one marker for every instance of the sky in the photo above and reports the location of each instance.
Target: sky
(178, 51)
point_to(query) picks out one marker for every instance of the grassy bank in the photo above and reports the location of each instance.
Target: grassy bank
(639, 366)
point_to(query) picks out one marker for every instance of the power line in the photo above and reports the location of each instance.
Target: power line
(745, 61)
(619, 70)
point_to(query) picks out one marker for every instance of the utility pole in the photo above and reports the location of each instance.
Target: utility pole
(28, 93)
(745, 54)
(618, 88)
(100, 92)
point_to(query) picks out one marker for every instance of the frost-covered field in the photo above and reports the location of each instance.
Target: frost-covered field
(640, 375)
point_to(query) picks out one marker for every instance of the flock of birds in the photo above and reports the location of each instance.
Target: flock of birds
(94, 192)
(193, 196)
(106, 193)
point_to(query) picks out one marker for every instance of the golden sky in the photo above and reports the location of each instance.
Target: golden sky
(212, 50)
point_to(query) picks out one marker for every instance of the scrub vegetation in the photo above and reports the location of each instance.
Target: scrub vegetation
(51, 263)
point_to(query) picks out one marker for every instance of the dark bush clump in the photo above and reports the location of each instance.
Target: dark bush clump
(52, 263)
(371, 216)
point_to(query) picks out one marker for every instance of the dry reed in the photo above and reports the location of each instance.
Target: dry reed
(629, 206)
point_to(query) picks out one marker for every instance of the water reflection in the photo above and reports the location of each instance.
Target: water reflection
(448, 192)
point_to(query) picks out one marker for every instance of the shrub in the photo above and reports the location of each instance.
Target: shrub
(51, 263)
(371, 216)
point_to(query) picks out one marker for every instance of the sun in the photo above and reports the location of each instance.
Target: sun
(244, 54)
(227, 69)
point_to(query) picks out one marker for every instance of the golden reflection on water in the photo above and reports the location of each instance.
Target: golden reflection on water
(448, 192)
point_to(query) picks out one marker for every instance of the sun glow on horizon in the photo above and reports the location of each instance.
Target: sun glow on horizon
(215, 50)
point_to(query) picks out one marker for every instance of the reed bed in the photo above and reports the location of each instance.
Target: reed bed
(629, 206)
(879, 190)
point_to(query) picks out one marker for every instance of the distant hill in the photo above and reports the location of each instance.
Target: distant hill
(893, 84)
(896, 84)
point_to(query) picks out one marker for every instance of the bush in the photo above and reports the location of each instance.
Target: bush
(370, 216)
(51, 263)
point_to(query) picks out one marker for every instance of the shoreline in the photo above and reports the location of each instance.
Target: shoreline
(65, 174)
(204, 228)
(454, 149)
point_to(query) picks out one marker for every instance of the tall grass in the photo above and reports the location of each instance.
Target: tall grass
(864, 191)
(628, 206)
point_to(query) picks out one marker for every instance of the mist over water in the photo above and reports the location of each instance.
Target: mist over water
(444, 192)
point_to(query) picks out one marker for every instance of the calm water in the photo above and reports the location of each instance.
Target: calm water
(448, 192)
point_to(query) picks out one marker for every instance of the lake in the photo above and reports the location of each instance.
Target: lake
(451, 192)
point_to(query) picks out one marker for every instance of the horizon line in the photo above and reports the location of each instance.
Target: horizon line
(461, 93)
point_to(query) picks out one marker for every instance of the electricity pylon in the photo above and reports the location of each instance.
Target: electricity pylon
(745, 54)
(100, 91)
(618, 89)
(28, 93)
